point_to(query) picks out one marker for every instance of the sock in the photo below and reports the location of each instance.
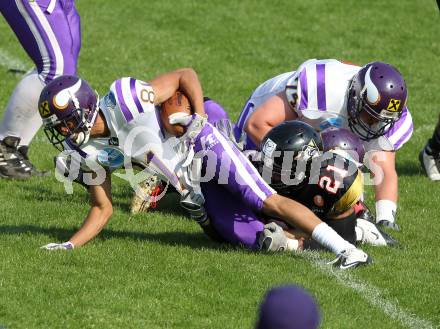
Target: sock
(21, 116)
(328, 238)
(386, 210)
(434, 143)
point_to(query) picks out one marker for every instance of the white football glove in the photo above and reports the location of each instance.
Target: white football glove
(180, 118)
(58, 246)
(272, 238)
(193, 203)
(192, 122)
(226, 128)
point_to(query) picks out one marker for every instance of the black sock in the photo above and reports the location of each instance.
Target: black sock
(434, 143)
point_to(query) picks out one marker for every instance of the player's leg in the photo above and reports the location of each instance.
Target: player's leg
(430, 155)
(232, 169)
(16, 118)
(51, 38)
(231, 219)
(227, 166)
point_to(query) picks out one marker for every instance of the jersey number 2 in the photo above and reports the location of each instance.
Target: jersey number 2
(330, 184)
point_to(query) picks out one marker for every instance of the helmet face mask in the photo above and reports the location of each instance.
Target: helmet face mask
(375, 100)
(68, 107)
(73, 128)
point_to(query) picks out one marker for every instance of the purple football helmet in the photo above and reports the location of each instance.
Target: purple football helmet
(376, 97)
(344, 142)
(68, 104)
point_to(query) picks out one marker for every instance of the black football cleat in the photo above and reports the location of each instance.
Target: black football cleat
(13, 163)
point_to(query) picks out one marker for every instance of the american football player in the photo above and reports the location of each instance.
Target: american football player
(49, 32)
(329, 183)
(370, 100)
(430, 155)
(124, 127)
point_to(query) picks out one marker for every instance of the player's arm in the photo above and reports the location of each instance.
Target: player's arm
(299, 216)
(98, 216)
(384, 169)
(269, 114)
(185, 80)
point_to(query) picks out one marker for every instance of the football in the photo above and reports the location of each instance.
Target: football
(177, 103)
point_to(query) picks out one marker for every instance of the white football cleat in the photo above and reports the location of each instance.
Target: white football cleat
(430, 163)
(352, 258)
(367, 232)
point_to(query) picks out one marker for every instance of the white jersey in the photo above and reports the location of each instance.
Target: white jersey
(317, 94)
(136, 133)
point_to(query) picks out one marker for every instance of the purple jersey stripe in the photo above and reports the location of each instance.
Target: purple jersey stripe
(168, 173)
(124, 108)
(42, 40)
(304, 93)
(134, 95)
(320, 76)
(159, 120)
(76, 148)
(398, 124)
(244, 115)
(404, 137)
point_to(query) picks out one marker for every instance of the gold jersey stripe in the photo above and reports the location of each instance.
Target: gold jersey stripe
(351, 197)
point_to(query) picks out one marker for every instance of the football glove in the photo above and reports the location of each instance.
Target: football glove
(192, 122)
(58, 246)
(193, 204)
(272, 238)
(225, 127)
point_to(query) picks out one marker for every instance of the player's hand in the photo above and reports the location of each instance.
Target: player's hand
(193, 203)
(192, 122)
(272, 238)
(58, 246)
(180, 118)
(226, 128)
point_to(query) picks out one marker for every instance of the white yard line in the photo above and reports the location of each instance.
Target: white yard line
(370, 293)
(11, 62)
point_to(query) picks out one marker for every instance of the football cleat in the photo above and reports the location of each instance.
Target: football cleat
(430, 163)
(14, 162)
(368, 233)
(23, 150)
(388, 224)
(351, 258)
(145, 196)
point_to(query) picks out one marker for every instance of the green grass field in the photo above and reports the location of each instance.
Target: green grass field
(159, 270)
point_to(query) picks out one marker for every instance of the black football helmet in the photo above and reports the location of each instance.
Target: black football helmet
(287, 151)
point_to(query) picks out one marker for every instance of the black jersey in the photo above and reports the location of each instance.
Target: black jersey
(332, 186)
